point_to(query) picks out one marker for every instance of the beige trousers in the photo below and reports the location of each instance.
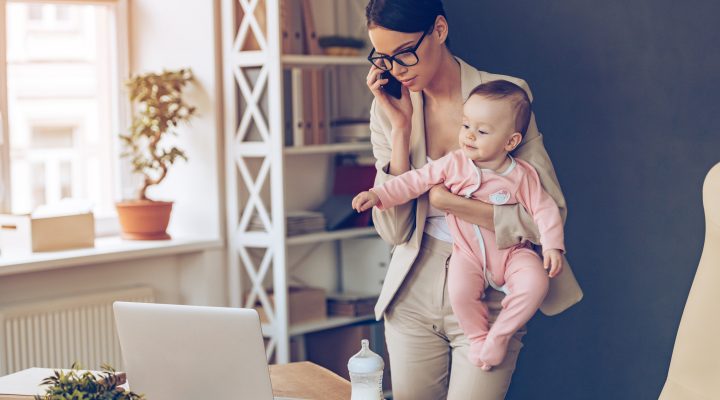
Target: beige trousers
(428, 350)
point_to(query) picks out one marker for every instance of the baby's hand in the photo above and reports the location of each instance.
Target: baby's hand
(553, 260)
(365, 201)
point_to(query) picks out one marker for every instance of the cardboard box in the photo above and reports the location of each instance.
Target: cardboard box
(349, 304)
(305, 304)
(24, 234)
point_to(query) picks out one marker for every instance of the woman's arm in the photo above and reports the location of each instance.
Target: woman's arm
(395, 225)
(470, 210)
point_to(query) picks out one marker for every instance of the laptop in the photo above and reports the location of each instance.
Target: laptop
(174, 352)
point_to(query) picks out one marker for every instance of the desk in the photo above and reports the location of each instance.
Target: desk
(306, 380)
(303, 380)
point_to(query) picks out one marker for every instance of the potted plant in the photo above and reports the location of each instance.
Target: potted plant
(75, 384)
(158, 109)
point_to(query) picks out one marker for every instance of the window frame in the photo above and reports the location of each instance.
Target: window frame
(107, 226)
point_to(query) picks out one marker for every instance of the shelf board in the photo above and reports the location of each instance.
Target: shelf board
(320, 325)
(329, 148)
(331, 235)
(300, 60)
(262, 239)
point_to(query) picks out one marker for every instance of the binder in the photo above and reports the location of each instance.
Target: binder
(312, 45)
(319, 122)
(317, 99)
(285, 31)
(308, 106)
(298, 113)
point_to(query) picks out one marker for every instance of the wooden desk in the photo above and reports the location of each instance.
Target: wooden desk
(303, 380)
(306, 380)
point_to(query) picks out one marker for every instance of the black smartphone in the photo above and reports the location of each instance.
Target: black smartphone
(393, 87)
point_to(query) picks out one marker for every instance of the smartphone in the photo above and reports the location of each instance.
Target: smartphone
(393, 87)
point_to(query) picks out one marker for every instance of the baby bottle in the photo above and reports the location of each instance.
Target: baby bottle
(366, 373)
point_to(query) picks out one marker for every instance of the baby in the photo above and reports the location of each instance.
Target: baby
(495, 118)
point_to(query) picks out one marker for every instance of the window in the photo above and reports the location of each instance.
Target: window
(61, 101)
(54, 17)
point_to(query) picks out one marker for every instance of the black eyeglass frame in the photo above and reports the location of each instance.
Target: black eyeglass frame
(393, 58)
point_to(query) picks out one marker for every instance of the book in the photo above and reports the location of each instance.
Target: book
(26, 384)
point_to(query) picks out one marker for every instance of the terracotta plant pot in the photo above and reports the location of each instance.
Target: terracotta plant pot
(144, 219)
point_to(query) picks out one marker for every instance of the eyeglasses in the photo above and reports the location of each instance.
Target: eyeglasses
(406, 58)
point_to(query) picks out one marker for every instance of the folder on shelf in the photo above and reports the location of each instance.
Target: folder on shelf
(308, 106)
(317, 99)
(298, 113)
(285, 31)
(338, 211)
(291, 27)
(349, 181)
(312, 45)
(319, 122)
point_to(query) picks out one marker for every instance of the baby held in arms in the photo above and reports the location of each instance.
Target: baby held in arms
(495, 118)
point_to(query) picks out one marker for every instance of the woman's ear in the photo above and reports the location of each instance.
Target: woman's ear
(513, 142)
(440, 30)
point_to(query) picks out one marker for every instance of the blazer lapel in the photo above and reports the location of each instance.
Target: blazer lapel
(418, 158)
(469, 78)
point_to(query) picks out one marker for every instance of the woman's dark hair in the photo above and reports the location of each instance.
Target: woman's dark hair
(406, 16)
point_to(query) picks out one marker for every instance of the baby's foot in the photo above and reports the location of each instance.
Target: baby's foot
(494, 351)
(475, 351)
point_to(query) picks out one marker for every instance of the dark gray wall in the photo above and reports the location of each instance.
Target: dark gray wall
(625, 93)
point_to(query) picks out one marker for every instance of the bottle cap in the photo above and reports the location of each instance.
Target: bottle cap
(365, 361)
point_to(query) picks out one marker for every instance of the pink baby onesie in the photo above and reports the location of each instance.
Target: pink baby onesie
(476, 261)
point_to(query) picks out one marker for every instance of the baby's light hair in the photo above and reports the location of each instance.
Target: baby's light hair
(502, 89)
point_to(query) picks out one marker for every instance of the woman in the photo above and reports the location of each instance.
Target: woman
(428, 350)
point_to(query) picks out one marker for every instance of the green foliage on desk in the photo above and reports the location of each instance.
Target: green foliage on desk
(76, 385)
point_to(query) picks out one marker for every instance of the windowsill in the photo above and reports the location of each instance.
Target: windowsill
(106, 250)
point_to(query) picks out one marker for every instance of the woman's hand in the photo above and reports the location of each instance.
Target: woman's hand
(553, 260)
(398, 111)
(471, 210)
(438, 196)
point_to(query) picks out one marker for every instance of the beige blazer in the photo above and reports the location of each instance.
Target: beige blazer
(694, 369)
(403, 225)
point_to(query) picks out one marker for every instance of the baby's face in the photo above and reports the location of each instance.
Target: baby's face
(486, 128)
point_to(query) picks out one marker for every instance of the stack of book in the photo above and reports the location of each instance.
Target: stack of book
(300, 222)
(297, 222)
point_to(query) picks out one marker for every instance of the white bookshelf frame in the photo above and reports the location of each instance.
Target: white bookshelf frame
(270, 152)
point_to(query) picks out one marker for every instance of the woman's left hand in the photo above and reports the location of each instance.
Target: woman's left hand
(438, 196)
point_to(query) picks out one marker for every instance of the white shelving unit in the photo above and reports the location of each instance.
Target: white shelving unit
(254, 91)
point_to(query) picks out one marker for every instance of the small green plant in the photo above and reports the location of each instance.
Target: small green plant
(77, 385)
(158, 108)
